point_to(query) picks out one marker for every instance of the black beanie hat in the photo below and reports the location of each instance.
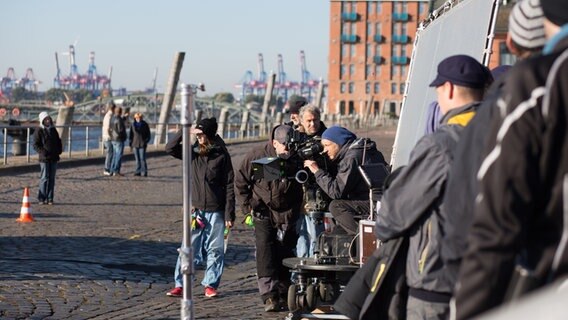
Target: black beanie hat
(556, 11)
(208, 126)
(295, 103)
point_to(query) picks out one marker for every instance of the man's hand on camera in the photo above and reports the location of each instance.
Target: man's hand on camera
(311, 165)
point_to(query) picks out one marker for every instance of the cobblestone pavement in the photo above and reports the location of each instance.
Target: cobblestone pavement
(107, 248)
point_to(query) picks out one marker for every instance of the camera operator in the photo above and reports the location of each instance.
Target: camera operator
(309, 228)
(347, 188)
(275, 205)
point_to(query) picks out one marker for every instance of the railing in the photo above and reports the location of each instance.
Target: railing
(83, 141)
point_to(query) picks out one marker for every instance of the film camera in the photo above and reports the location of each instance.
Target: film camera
(301, 148)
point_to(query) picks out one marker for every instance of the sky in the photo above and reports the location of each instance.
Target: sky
(221, 39)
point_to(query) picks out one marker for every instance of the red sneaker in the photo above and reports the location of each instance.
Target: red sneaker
(175, 292)
(210, 292)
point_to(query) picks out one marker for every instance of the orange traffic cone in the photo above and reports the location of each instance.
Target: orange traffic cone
(25, 214)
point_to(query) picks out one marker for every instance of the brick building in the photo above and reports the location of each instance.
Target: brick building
(370, 46)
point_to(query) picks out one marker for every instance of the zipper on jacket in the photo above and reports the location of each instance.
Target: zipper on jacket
(422, 260)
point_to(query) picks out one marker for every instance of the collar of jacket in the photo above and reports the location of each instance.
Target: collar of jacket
(553, 44)
(462, 115)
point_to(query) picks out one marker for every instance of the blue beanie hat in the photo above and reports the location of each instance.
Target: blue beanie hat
(338, 135)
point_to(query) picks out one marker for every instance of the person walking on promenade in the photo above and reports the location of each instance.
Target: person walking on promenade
(106, 136)
(48, 146)
(213, 202)
(117, 137)
(139, 138)
(275, 206)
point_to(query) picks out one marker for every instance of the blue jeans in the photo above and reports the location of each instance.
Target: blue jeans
(208, 243)
(308, 233)
(118, 148)
(109, 155)
(140, 156)
(47, 181)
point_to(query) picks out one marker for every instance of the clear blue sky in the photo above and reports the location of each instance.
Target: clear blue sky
(221, 38)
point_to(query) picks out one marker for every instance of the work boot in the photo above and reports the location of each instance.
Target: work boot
(271, 305)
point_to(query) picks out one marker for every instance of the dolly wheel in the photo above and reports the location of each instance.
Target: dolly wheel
(292, 305)
(311, 297)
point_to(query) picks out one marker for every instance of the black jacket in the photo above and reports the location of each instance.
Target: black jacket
(212, 183)
(117, 129)
(139, 136)
(47, 144)
(523, 186)
(278, 199)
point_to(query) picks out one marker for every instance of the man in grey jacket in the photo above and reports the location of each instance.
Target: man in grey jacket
(346, 186)
(413, 204)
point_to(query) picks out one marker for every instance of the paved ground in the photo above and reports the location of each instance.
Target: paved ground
(107, 247)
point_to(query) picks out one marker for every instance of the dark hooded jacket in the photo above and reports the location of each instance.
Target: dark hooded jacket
(47, 143)
(212, 183)
(279, 199)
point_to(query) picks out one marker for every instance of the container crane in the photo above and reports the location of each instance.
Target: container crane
(308, 83)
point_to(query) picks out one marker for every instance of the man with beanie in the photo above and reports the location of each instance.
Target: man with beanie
(295, 103)
(519, 211)
(275, 206)
(48, 146)
(346, 186)
(413, 205)
(525, 39)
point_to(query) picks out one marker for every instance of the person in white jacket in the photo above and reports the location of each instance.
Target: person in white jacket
(106, 136)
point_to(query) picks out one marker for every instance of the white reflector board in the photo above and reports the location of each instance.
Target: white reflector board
(464, 28)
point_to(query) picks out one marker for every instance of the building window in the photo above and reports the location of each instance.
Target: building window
(404, 7)
(353, 6)
(403, 70)
(421, 7)
(344, 50)
(378, 50)
(369, 50)
(352, 49)
(397, 28)
(341, 107)
(377, 87)
(353, 28)
(351, 70)
(367, 87)
(377, 70)
(402, 88)
(403, 29)
(351, 87)
(342, 71)
(378, 28)
(369, 30)
(393, 88)
(379, 5)
(368, 71)
(342, 87)
(351, 107)
(344, 6)
(403, 50)
(370, 8)
(394, 70)
(398, 7)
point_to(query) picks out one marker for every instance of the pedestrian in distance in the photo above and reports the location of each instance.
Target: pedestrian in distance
(213, 202)
(106, 137)
(48, 146)
(117, 137)
(139, 138)
(295, 103)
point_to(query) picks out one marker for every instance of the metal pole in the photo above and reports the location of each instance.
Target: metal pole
(5, 145)
(28, 142)
(87, 141)
(69, 141)
(186, 251)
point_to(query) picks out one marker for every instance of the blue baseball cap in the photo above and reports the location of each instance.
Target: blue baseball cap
(462, 70)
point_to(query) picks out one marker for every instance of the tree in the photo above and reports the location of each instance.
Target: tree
(225, 97)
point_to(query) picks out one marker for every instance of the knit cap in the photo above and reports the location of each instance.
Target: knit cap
(338, 135)
(556, 11)
(207, 126)
(526, 24)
